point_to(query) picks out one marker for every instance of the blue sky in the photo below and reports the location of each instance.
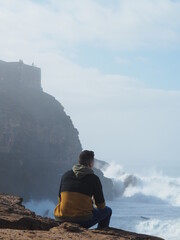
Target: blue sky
(114, 66)
(156, 68)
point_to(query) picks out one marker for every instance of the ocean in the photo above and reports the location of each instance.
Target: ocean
(145, 204)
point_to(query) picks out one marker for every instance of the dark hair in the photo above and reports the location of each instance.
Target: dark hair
(86, 157)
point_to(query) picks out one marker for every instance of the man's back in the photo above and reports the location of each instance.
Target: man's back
(76, 191)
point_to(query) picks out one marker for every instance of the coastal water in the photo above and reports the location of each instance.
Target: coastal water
(148, 203)
(143, 216)
(144, 204)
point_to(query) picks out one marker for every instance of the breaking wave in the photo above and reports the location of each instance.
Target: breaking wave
(168, 229)
(154, 185)
(147, 204)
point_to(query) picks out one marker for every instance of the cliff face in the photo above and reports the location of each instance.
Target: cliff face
(38, 142)
(16, 222)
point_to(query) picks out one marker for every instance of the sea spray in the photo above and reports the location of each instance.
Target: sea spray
(162, 187)
(156, 184)
(44, 208)
(146, 204)
(168, 229)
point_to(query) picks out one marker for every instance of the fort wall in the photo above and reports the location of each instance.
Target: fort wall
(18, 73)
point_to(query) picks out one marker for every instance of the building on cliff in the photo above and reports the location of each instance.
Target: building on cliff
(20, 74)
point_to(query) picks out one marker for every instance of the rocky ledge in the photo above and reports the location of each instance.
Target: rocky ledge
(17, 222)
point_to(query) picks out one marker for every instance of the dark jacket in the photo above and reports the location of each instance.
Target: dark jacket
(78, 188)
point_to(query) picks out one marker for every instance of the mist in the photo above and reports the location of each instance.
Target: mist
(111, 69)
(108, 81)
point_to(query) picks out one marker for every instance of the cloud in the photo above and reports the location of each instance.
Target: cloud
(55, 24)
(122, 60)
(117, 116)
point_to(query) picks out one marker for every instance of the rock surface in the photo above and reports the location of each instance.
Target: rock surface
(16, 222)
(15, 216)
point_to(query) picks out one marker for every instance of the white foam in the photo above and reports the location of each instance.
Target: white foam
(137, 193)
(43, 208)
(164, 188)
(154, 184)
(167, 229)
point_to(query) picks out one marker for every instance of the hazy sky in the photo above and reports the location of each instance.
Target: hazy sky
(114, 66)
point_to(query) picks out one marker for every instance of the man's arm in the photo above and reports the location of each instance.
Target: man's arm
(98, 194)
(59, 196)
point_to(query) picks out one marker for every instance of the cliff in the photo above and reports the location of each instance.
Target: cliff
(38, 141)
(16, 222)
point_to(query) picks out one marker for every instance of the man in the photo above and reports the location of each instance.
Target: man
(80, 190)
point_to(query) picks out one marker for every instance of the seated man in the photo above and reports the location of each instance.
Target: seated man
(78, 189)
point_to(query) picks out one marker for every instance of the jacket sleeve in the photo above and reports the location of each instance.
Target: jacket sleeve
(59, 196)
(98, 194)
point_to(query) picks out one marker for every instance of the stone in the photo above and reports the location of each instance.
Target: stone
(15, 216)
(16, 222)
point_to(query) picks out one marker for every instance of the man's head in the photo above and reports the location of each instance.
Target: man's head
(86, 158)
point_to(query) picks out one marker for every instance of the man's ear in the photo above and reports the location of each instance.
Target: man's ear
(91, 164)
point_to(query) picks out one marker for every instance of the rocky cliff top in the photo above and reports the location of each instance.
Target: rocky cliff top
(16, 222)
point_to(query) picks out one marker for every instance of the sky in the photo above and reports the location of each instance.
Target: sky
(113, 65)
